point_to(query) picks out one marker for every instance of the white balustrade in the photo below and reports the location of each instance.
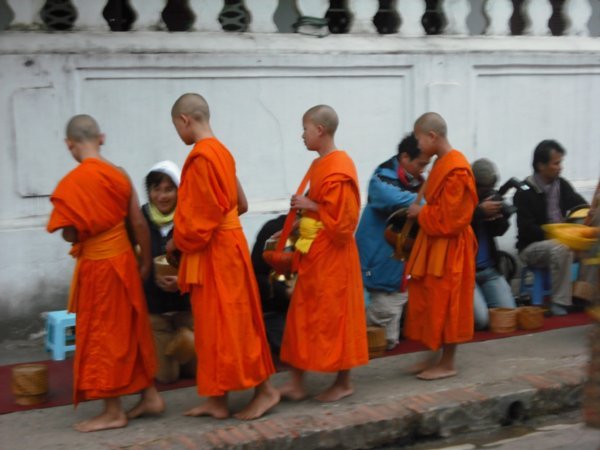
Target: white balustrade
(411, 13)
(313, 8)
(536, 14)
(148, 14)
(456, 12)
(577, 14)
(89, 15)
(498, 13)
(207, 14)
(261, 13)
(363, 12)
(26, 12)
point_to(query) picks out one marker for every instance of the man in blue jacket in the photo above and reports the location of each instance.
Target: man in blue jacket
(394, 185)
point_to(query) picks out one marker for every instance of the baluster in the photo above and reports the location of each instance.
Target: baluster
(207, 14)
(363, 12)
(537, 13)
(313, 8)
(6, 15)
(26, 13)
(58, 15)
(177, 15)
(261, 15)
(148, 14)
(577, 13)
(90, 15)
(456, 12)
(498, 14)
(411, 12)
(119, 15)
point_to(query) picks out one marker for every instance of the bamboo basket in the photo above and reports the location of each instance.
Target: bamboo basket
(162, 268)
(530, 317)
(503, 320)
(377, 341)
(29, 384)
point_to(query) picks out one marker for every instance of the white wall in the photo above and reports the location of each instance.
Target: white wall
(500, 96)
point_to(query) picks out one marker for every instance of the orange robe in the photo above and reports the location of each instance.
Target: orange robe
(325, 328)
(114, 348)
(442, 260)
(231, 344)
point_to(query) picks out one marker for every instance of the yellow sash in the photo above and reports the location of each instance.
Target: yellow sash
(105, 245)
(309, 229)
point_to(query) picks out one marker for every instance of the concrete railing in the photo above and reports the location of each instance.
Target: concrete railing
(402, 17)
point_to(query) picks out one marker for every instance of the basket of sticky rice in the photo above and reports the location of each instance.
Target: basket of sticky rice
(573, 235)
(162, 268)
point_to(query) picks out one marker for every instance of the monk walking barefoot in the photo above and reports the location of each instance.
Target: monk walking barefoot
(326, 325)
(442, 260)
(115, 351)
(151, 403)
(231, 346)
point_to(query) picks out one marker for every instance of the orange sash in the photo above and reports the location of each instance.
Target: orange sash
(105, 245)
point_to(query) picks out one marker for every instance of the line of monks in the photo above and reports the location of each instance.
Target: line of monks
(98, 211)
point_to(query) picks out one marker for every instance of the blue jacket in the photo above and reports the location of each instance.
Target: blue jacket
(381, 272)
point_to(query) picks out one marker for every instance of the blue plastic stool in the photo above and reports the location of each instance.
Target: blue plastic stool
(540, 287)
(57, 340)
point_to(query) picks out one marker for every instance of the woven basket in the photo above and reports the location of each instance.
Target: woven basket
(503, 320)
(181, 347)
(162, 268)
(377, 341)
(29, 384)
(530, 317)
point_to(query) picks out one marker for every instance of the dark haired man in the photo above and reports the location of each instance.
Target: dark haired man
(548, 201)
(393, 185)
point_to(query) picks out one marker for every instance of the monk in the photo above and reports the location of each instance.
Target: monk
(442, 260)
(93, 205)
(326, 326)
(231, 345)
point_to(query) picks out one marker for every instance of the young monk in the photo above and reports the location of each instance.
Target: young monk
(326, 325)
(231, 346)
(442, 260)
(115, 353)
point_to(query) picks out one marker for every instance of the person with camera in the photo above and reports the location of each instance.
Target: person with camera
(548, 200)
(393, 185)
(490, 219)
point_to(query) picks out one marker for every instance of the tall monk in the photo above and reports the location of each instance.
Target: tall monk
(442, 260)
(231, 345)
(114, 355)
(326, 326)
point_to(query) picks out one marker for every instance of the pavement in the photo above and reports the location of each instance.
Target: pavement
(500, 382)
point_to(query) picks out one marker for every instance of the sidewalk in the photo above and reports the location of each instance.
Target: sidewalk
(516, 377)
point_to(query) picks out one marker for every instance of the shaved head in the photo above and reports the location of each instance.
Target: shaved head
(432, 121)
(83, 128)
(192, 105)
(325, 116)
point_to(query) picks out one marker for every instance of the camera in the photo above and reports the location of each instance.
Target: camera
(507, 209)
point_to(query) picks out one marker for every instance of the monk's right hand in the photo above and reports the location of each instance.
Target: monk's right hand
(145, 270)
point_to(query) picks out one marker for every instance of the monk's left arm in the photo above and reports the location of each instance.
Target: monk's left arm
(453, 211)
(242, 203)
(141, 234)
(339, 210)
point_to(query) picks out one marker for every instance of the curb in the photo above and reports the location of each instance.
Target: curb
(442, 413)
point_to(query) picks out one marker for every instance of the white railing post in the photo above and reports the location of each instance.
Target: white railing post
(456, 12)
(261, 15)
(89, 15)
(498, 13)
(536, 14)
(411, 13)
(577, 14)
(363, 12)
(7, 15)
(26, 12)
(207, 14)
(313, 8)
(147, 13)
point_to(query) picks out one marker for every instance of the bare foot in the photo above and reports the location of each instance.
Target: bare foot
(105, 421)
(422, 365)
(436, 373)
(214, 406)
(334, 393)
(292, 392)
(265, 398)
(151, 403)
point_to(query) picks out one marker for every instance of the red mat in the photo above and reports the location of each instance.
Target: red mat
(60, 373)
